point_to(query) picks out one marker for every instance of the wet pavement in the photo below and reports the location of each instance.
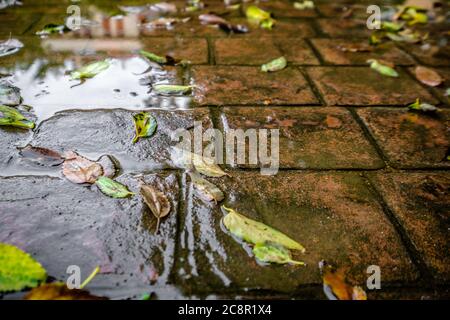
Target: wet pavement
(363, 180)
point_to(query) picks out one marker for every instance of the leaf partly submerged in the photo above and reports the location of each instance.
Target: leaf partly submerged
(112, 188)
(335, 287)
(274, 65)
(90, 70)
(172, 89)
(41, 156)
(10, 46)
(207, 190)
(18, 270)
(256, 232)
(157, 202)
(78, 169)
(167, 60)
(382, 69)
(145, 125)
(273, 253)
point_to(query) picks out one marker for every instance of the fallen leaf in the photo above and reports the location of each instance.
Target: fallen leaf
(164, 7)
(171, 89)
(273, 253)
(145, 125)
(10, 46)
(18, 270)
(209, 18)
(12, 117)
(260, 17)
(59, 291)
(163, 22)
(274, 65)
(9, 94)
(425, 107)
(42, 156)
(167, 60)
(382, 69)
(157, 202)
(333, 122)
(78, 169)
(392, 26)
(207, 190)
(335, 286)
(112, 188)
(52, 28)
(428, 76)
(307, 4)
(355, 47)
(256, 232)
(90, 70)
(204, 165)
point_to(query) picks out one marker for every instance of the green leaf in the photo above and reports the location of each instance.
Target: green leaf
(112, 188)
(392, 26)
(12, 117)
(153, 57)
(145, 125)
(273, 253)
(381, 68)
(90, 70)
(307, 4)
(274, 65)
(52, 28)
(18, 270)
(260, 17)
(256, 232)
(11, 113)
(207, 190)
(425, 107)
(171, 89)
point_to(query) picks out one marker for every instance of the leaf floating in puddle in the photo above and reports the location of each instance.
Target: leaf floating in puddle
(335, 286)
(260, 17)
(256, 232)
(112, 188)
(428, 76)
(157, 202)
(13, 118)
(90, 70)
(42, 156)
(167, 60)
(52, 28)
(171, 89)
(18, 270)
(9, 94)
(307, 4)
(10, 46)
(382, 69)
(59, 291)
(425, 107)
(272, 253)
(145, 125)
(207, 190)
(78, 169)
(274, 65)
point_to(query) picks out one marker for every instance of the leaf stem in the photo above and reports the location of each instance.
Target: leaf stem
(91, 276)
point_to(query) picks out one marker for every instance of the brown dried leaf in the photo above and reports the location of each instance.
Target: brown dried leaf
(157, 202)
(59, 291)
(428, 76)
(78, 169)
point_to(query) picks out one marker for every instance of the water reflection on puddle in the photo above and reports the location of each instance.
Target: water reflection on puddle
(117, 87)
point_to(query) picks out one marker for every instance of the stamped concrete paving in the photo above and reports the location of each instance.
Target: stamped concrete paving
(362, 181)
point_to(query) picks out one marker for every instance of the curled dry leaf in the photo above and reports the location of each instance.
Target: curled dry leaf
(335, 286)
(78, 169)
(256, 232)
(157, 202)
(273, 253)
(42, 156)
(207, 190)
(59, 291)
(428, 76)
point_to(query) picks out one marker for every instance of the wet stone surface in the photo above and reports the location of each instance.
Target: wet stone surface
(325, 138)
(334, 216)
(421, 204)
(364, 86)
(409, 139)
(247, 85)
